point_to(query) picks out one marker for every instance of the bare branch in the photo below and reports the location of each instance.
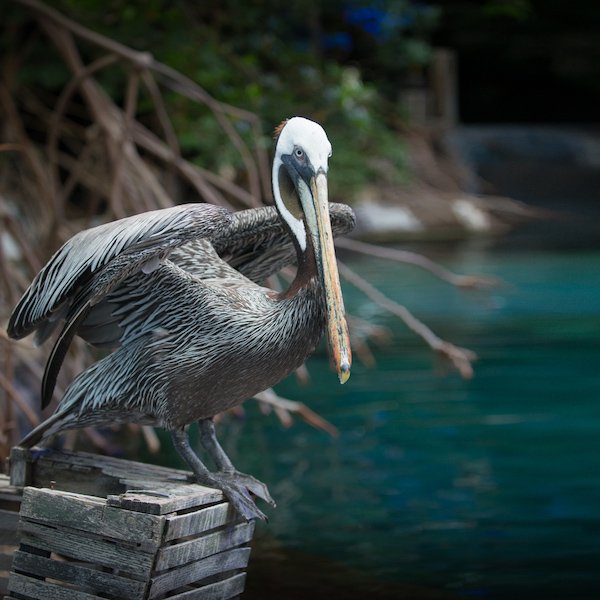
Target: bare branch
(162, 115)
(152, 440)
(32, 158)
(284, 408)
(16, 397)
(418, 260)
(175, 81)
(361, 332)
(57, 116)
(461, 358)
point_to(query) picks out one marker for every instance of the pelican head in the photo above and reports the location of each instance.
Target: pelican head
(300, 191)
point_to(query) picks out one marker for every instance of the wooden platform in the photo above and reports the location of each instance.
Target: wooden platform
(97, 527)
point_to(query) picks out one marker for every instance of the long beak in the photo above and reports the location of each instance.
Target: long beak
(322, 237)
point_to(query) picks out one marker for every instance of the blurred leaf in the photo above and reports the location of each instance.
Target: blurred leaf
(274, 59)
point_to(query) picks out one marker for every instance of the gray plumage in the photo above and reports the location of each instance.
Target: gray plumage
(176, 295)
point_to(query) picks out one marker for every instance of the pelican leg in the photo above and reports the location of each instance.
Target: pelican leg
(209, 441)
(237, 494)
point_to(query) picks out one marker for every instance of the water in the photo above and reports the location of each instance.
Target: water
(438, 487)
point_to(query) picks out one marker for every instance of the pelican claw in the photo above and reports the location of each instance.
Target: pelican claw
(238, 488)
(253, 485)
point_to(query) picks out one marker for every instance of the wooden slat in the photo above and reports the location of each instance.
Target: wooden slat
(41, 590)
(93, 482)
(199, 570)
(20, 467)
(83, 472)
(101, 581)
(205, 519)
(86, 548)
(167, 498)
(181, 554)
(116, 467)
(122, 532)
(86, 513)
(220, 590)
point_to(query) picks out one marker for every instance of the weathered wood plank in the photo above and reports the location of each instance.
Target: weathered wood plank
(41, 590)
(80, 547)
(107, 583)
(8, 542)
(223, 539)
(220, 590)
(197, 522)
(123, 532)
(116, 467)
(86, 513)
(20, 467)
(83, 472)
(199, 570)
(93, 482)
(166, 498)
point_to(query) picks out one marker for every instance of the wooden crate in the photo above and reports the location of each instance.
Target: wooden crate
(10, 502)
(99, 527)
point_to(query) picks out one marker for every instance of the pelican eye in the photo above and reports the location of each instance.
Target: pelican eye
(299, 153)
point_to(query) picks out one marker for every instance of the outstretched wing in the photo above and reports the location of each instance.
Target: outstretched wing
(138, 242)
(250, 248)
(255, 244)
(94, 263)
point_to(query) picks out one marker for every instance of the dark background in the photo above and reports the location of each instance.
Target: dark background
(534, 62)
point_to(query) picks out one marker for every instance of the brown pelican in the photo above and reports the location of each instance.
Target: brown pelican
(175, 294)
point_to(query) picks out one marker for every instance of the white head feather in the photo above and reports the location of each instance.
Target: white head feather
(299, 132)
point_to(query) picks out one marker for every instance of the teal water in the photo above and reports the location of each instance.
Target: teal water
(438, 487)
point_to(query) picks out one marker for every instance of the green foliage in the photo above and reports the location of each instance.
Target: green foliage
(274, 59)
(519, 10)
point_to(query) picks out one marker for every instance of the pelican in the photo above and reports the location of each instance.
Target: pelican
(176, 295)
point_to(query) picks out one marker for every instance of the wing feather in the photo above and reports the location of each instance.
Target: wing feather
(93, 264)
(255, 244)
(88, 252)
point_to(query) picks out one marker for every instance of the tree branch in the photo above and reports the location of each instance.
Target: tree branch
(418, 260)
(461, 358)
(284, 408)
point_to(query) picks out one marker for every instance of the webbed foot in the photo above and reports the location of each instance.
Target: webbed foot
(239, 488)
